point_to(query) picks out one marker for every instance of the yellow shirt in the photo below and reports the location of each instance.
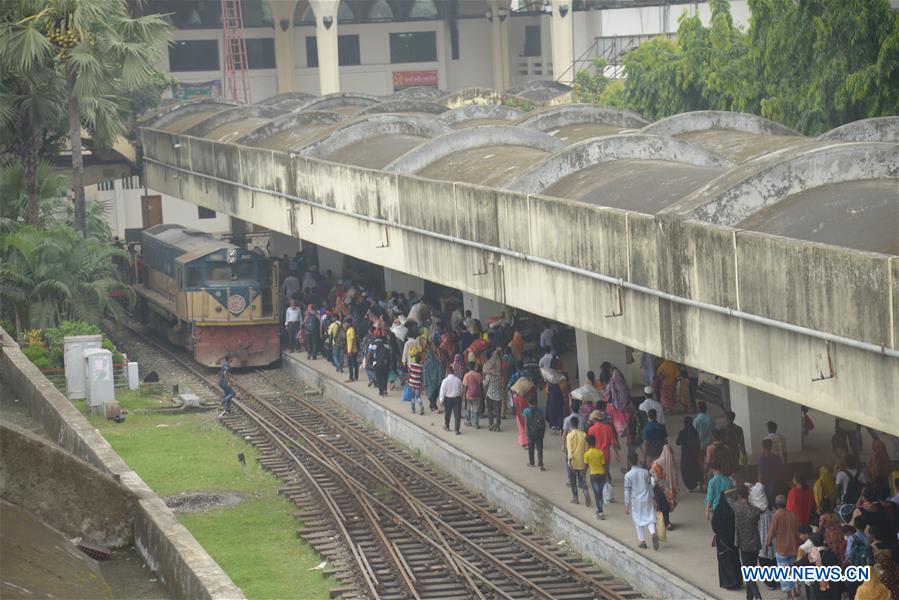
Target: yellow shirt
(576, 443)
(351, 344)
(596, 460)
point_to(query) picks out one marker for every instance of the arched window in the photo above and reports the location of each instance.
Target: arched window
(380, 11)
(345, 14)
(303, 14)
(423, 9)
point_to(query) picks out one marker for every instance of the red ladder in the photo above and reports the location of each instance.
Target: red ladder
(236, 87)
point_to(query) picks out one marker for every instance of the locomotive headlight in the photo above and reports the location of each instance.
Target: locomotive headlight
(232, 255)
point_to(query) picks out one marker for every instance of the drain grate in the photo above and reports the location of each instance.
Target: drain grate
(96, 552)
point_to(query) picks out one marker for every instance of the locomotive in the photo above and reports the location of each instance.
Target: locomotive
(212, 297)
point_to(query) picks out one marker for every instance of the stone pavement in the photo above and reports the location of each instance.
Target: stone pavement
(687, 553)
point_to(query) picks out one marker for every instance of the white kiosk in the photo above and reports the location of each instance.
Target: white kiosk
(99, 379)
(73, 360)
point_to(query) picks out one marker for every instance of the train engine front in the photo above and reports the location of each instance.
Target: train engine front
(216, 298)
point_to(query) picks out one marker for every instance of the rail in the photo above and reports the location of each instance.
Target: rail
(343, 462)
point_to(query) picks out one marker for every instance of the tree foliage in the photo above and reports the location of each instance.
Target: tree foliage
(55, 274)
(590, 84)
(92, 50)
(810, 64)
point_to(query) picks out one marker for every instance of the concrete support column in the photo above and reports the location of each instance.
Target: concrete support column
(499, 43)
(326, 39)
(397, 281)
(562, 37)
(282, 15)
(119, 209)
(330, 260)
(481, 308)
(593, 350)
(755, 408)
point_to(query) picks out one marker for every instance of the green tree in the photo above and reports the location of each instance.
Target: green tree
(16, 195)
(589, 85)
(55, 274)
(100, 52)
(812, 65)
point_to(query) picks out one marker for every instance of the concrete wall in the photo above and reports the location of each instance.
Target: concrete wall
(523, 504)
(167, 547)
(834, 290)
(70, 495)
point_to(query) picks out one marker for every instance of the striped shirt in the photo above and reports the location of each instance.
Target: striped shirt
(414, 379)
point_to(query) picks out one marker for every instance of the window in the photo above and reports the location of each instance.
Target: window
(205, 213)
(187, 14)
(131, 183)
(380, 11)
(532, 40)
(193, 277)
(260, 53)
(194, 55)
(423, 9)
(255, 14)
(347, 50)
(454, 44)
(106, 186)
(414, 46)
(237, 272)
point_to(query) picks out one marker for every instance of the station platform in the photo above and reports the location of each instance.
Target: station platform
(494, 465)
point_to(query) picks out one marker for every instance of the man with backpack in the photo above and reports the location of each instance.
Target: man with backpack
(312, 327)
(850, 481)
(337, 334)
(379, 359)
(535, 425)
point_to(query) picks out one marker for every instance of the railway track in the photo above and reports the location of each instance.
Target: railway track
(389, 526)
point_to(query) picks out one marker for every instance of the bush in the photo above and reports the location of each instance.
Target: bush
(55, 337)
(117, 357)
(38, 355)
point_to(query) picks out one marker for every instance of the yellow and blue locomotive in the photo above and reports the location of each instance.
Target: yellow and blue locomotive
(209, 296)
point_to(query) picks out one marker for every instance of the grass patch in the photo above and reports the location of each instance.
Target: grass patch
(254, 541)
(265, 561)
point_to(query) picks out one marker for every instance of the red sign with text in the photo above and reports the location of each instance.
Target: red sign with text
(404, 79)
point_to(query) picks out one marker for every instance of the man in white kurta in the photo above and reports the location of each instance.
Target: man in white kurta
(639, 503)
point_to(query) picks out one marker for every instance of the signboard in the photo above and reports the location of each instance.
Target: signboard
(405, 79)
(199, 88)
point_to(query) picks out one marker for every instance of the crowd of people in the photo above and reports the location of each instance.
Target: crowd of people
(771, 513)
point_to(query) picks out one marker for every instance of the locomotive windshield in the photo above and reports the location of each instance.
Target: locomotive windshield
(236, 272)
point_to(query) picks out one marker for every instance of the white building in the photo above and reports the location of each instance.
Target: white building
(380, 46)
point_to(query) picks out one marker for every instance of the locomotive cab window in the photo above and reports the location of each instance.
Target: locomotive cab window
(235, 272)
(194, 277)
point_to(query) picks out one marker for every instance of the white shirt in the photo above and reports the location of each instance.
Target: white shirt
(293, 314)
(450, 387)
(652, 403)
(546, 361)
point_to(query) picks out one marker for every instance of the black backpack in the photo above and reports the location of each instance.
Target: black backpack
(311, 324)
(853, 488)
(536, 423)
(381, 355)
(340, 337)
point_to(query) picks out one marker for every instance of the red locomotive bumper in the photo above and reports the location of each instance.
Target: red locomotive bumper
(248, 345)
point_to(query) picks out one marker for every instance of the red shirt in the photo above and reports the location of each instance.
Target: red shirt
(800, 502)
(604, 436)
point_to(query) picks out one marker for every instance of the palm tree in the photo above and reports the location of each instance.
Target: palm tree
(98, 50)
(20, 197)
(52, 275)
